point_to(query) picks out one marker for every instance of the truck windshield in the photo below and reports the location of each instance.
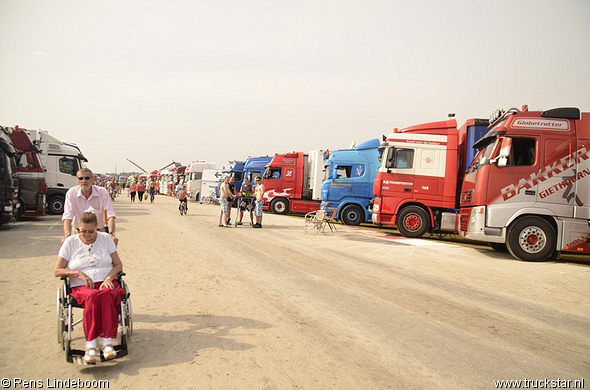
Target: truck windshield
(483, 156)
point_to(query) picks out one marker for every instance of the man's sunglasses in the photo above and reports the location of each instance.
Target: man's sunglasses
(84, 178)
(87, 231)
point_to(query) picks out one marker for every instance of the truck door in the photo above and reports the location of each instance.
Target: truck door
(68, 167)
(582, 197)
(340, 185)
(556, 189)
(430, 170)
(398, 182)
(509, 185)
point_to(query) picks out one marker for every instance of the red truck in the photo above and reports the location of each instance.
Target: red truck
(418, 184)
(293, 182)
(30, 173)
(528, 188)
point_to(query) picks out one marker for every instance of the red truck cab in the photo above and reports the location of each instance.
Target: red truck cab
(293, 182)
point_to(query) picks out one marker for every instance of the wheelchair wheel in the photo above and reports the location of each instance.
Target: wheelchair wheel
(129, 314)
(60, 315)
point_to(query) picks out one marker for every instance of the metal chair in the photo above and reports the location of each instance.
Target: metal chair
(317, 221)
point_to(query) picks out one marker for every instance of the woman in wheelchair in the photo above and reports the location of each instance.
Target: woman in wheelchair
(90, 260)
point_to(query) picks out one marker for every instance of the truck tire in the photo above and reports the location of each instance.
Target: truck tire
(498, 247)
(352, 215)
(55, 205)
(412, 222)
(531, 239)
(279, 206)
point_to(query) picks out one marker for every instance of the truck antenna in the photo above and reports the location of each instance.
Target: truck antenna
(535, 95)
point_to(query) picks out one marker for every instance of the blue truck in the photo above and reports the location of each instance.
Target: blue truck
(235, 169)
(349, 174)
(254, 167)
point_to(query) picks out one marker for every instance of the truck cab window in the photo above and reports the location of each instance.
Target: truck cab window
(400, 158)
(252, 175)
(523, 152)
(68, 166)
(343, 172)
(238, 176)
(22, 160)
(272, 173)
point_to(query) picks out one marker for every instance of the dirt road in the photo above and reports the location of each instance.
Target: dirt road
(274, 308)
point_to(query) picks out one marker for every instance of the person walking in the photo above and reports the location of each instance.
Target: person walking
(140, 191)
(152, 189)
(113, 189)
(79, 198)
(259, 194)
(132, 191)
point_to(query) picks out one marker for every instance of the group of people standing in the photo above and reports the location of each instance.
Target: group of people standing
(250, 199)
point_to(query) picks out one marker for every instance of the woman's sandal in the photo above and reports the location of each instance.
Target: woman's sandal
(88, 358)
(108, 355)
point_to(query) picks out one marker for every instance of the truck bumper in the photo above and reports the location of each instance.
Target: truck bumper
(473, 226)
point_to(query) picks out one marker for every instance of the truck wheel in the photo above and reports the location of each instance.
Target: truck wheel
(56, 205)
(498, 247)
(352, 215)
(531, 239)
(412, 222)
(279, 206)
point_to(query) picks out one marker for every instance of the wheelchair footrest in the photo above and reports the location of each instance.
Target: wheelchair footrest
(77, 355)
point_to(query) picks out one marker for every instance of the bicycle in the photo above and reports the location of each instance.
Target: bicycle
(183, 208)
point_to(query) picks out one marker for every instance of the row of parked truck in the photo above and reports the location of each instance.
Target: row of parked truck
(36, 170)
(518, 181)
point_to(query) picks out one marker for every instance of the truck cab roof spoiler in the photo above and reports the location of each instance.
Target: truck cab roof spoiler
(563, 113)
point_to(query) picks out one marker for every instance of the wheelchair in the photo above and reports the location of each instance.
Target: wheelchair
(66, 323)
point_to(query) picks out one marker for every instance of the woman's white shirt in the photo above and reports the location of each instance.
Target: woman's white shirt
(94, 259)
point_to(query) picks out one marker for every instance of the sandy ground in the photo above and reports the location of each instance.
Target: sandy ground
(274, 308)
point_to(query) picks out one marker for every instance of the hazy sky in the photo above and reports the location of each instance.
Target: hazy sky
(156, 81)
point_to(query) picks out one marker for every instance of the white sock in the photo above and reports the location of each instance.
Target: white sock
(107, 341)
(91, 344)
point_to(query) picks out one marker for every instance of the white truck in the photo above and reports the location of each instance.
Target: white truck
(193, 177)
(61, 162)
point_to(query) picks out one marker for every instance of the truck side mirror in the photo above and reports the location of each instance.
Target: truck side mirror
(502, 161)
(389, 161)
